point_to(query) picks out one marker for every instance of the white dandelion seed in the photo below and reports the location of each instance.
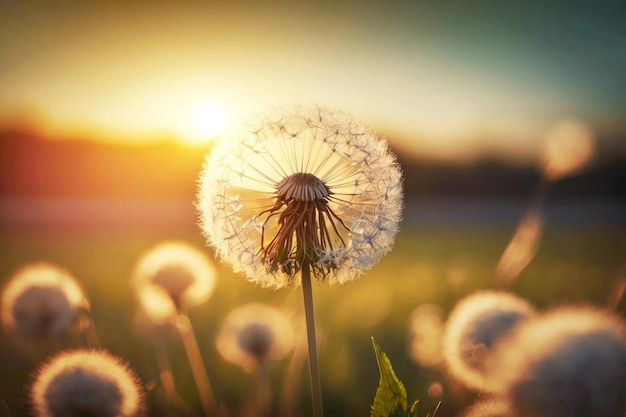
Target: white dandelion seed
(310, 188)
(571, 362)
(474, 326)
(172, 275)
(253, 334)
(86, 383)
(41, 300)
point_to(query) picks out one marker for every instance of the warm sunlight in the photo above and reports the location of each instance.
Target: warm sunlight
(205, 122)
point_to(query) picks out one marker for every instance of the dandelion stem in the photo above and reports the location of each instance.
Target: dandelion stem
(316, 388)
(207, 398)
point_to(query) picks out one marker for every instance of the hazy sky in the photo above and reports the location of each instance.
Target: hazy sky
(450, 78)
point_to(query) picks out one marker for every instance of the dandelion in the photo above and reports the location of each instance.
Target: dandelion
(308, 190)
(474, 326)
(254, 334)
(569, 146)
(489, 407)
(571, 362)
(251, 336)
(169, 278)
(86, 383)
(41, 300)
(173, 275)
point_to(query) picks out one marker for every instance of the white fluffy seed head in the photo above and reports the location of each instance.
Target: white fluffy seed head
(571, 362)
(254, 333)
(474, 326)
(41, 300)
(170, 275)
(329, 165)
(86, 383)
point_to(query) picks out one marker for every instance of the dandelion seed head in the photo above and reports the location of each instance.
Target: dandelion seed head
(173, 274)
(86, 383)
(569, 146)
(474, 326)
(303, 187)
(254, 333)
(571, 362)
(41, 300)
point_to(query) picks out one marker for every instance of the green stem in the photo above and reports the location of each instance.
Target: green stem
(207, 398)
(316, 388)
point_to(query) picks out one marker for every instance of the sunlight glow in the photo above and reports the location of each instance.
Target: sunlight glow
(206, 122)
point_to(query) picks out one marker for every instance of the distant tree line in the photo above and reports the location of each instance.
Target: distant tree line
(32, 166)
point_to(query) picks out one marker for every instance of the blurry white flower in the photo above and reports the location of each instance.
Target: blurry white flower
(86, 383)
(41, 300)
(254, 333)
(308, 187)
(475, 324)
(568, 362)
(426, 326)
(569, 146)
(489, 407)
(173, 275)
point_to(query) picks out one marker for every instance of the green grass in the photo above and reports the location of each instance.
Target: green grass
(429, 264)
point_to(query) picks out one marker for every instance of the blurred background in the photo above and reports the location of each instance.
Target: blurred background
(108, 108)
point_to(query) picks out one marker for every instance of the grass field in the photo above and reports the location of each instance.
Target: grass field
(430, 263)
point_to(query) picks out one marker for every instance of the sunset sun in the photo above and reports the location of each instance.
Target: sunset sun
(204, 123)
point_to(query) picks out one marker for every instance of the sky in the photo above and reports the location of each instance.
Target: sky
(449, 79)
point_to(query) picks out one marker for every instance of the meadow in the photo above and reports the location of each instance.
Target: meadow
(435, 260)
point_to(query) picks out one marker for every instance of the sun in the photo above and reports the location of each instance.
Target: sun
(205, 122)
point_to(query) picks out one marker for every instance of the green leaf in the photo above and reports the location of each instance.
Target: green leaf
(390, 399)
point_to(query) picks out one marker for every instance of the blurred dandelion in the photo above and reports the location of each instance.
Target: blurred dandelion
(305, 190)
(426, 327)
(522, 247)
(571, 362)
(173, 275)
(474, 326)
(489, 407)
(86, 383)
(252, 336)
(41, 300)
(568, 147)
(169, 278)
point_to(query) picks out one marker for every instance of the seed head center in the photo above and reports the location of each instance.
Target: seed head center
(302, 186)
(307, 227)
